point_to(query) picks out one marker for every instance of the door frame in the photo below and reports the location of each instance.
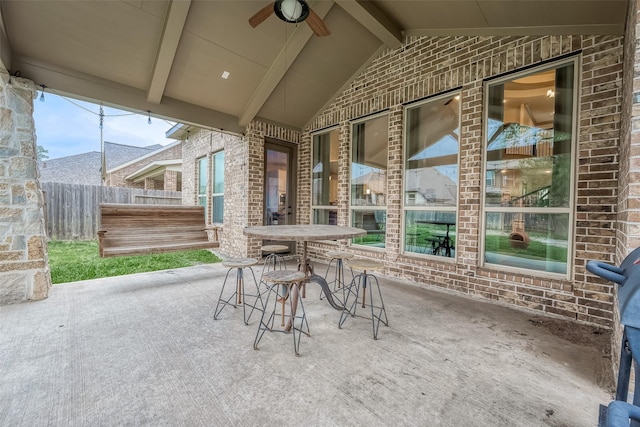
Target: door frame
(292, 187)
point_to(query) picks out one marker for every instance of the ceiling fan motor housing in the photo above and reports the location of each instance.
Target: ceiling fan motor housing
(292, 11)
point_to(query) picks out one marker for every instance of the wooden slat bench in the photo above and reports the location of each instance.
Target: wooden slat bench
(130, 229)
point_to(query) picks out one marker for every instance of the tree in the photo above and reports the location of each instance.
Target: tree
(42, 153)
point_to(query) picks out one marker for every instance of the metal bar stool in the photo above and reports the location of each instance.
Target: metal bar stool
(378, 312)
(338, 280)
(273, 257)
(284, 285)
(239, 296)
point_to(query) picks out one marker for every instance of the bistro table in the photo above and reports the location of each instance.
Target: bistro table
(305, 233)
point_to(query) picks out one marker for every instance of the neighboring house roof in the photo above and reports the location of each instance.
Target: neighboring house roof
(432, 185)
(78, 169)
(158, 149)
(117, 154)
(154, 169)
(85, 168)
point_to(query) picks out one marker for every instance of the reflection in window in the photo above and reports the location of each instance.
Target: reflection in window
(512, 240)
(369, 153)
(431, 176)
(528, 170)
(202, 183)
(217, 199)
(324, 187)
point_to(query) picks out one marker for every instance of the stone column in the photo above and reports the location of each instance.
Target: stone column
(24, 265)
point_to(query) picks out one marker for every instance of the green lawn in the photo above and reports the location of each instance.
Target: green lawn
(534, 250)
(71, 261)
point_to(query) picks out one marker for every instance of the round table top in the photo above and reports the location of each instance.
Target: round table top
(304, 232)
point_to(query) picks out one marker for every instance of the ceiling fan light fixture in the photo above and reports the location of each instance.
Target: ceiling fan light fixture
(292, 11)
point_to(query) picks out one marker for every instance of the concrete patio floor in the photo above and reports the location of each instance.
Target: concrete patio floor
(145, 350)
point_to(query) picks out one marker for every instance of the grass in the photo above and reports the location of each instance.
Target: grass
(72, 261)
(535, 249)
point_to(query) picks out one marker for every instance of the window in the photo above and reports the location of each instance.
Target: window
(202, 184)
(490, 179)
(369, 148)
(217, 197)
(431, 176)
(324, 187)
(528, 141)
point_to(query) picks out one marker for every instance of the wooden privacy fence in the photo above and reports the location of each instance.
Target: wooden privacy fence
(72, 210)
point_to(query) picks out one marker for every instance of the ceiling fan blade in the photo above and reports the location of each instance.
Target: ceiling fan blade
(262, 14)
(316, 24)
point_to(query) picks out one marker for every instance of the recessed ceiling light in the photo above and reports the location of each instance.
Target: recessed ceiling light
(225, 74)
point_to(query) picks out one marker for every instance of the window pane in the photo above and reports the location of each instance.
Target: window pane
(430, 232)
(218, 172)
(325, 169)
(325, 216)
(527, 240)
(369, 162)
(202, 201)
(202, 176)
(375, 224)
(431, 167)
(529, 140)
(218, 209)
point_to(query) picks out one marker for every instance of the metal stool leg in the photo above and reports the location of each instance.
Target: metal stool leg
(351, 291)
(258, 296)
(326, 275)
(377, 312)
(299, 324)
(239, 297)
(226, 302)
(267, 324)
(339, 283)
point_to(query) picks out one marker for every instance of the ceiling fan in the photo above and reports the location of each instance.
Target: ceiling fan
(292, 11)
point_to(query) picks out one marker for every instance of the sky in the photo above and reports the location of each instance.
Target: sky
(65, 126)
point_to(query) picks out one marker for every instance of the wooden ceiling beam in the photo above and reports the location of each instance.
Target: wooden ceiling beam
(376, 21)
(173, 27)
(5, 49)
(90, 88)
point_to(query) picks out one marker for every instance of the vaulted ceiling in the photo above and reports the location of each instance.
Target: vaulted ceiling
(168, 57)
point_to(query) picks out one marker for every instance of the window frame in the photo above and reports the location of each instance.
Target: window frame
(315, 207)
(407, 208)
(355, 208)
(569, 210)
(205, 195)
(215, 195)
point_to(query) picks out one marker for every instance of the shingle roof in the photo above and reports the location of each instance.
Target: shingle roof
(85, 168)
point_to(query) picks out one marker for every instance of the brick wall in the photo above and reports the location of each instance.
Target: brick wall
(627, 230)
(244, 179)
(431, 65)
(255, 137)
(171, 181)
(236, 192)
